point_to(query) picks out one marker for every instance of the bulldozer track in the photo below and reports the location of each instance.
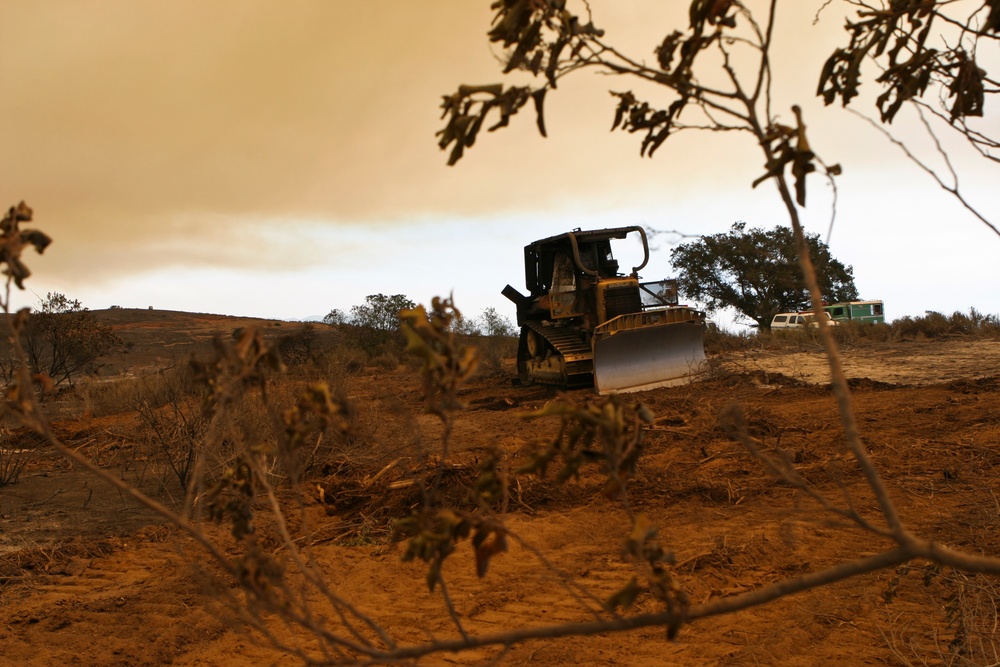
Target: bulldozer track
(570, 343)
(577, 355)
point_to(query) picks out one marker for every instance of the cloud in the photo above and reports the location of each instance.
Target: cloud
(250, 135)
(129, 113)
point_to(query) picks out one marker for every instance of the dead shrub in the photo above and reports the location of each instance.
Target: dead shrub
(937, 325)
(932, 325)
(183, 445)
(720, 341)
(171, 435)
(299, 347)
(855, 333)
(493, 350)
(124, 393)
(964, 632)
(386, 360)
(12, 459)
(335, 364)
(788, 339)
(373, 341)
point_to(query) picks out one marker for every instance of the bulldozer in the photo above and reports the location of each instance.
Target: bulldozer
(583, 323)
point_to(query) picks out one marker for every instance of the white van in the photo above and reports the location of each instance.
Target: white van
(799, 320)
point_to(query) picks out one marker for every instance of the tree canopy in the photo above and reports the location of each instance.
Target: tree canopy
(756, 272)
(380, 311)
(375, 322)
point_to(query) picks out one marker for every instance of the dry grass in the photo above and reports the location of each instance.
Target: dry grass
(126, 393)
(931, 326)
(965, 629)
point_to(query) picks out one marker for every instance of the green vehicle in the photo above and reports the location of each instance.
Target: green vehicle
(857, 311)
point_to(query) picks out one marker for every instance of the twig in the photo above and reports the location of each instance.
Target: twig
(39, 504)
(951, 189)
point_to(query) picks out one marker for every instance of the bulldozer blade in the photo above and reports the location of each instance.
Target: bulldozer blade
(649, 357)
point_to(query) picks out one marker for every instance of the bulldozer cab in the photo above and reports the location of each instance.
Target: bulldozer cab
(574, 270)
(586, 253)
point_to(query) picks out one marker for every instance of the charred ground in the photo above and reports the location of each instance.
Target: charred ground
(88, 577)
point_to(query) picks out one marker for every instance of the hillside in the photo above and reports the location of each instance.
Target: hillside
(157, 337)
(78, 561)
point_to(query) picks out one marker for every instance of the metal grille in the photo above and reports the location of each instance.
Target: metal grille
(622, 301)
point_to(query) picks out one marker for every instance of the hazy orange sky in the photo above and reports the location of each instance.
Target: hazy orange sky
(279, 160)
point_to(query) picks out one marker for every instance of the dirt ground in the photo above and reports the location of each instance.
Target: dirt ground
(87, 577)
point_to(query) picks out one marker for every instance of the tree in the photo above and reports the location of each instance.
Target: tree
(376, 321)
(492, 323)
(335, 316)
(496, 338)
(756, 272)
(63, 339)
(380, 312)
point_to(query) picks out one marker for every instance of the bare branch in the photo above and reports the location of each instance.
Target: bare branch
(952, 189)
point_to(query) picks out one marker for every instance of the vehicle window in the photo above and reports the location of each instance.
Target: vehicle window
(778, 319)
(800, 320)
(877, 309)
(838, 312)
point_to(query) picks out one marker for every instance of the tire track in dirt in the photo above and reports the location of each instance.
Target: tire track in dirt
(520, 592)
(910, 363)
(140, 602)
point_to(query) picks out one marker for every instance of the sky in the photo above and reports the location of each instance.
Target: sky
(279, 160)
